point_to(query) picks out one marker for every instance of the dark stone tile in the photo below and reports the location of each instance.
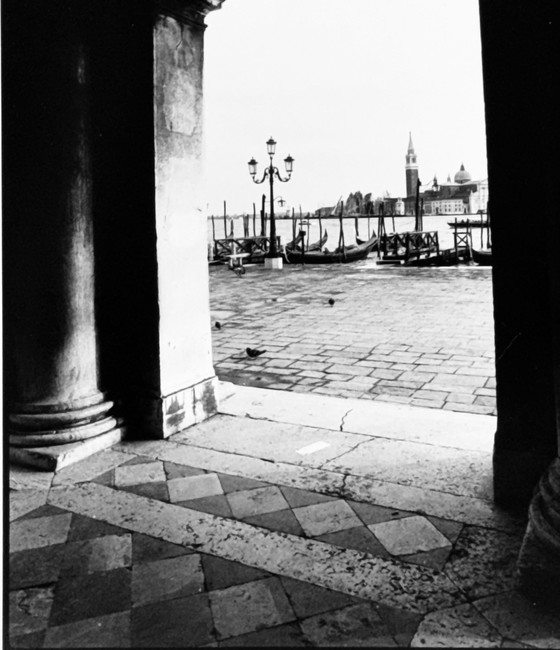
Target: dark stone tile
(35, 567)
(217, 504)
(401, 624)
(173, 470)
(222, 573)
(100, 554)
(298, 498)
(107, 478)
(33, 640)
(307, 599)
(359, 539)
(88, 596)
(435, 559)
(156, 490)
(282, 636)
(139, 460)
(183, 622)
(237, 483)
(148, 549)
(87, 528)
(44, 511)
(371, 514)
(282, 520)
(451, 529)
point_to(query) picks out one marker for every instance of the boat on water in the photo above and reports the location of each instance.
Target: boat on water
(343, 255)
(482, 257)
(315, 246)
(468, 223)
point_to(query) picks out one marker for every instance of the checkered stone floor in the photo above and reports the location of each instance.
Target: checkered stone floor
(169, 544)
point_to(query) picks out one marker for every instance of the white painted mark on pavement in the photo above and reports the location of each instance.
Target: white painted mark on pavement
(311, 449)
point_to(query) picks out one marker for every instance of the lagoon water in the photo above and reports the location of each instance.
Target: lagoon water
(284, 228)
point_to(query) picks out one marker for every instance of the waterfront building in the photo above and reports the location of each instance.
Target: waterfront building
(460, 196)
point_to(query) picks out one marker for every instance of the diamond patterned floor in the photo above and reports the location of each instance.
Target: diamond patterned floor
(132, 549)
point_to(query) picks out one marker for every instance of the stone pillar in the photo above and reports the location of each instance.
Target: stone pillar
(187, 382)
(517, 42)
(51, 351)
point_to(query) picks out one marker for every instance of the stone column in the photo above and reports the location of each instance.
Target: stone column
(51, 352)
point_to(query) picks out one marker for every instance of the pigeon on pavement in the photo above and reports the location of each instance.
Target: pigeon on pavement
(254, 353)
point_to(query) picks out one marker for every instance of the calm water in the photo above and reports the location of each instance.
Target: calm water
(392, 224)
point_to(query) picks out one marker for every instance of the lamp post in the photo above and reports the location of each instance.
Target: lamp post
(273, 259)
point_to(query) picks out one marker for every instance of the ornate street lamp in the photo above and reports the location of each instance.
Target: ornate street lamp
(273, 260)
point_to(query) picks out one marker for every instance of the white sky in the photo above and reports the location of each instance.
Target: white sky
(339, 84)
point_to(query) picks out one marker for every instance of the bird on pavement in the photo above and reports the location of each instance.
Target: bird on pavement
(239, 271)
(331, 301)
(218, 325)
(254, 353)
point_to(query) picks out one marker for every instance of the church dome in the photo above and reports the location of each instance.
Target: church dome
(462, 176)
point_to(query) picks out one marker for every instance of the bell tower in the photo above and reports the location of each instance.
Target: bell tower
(411, 169)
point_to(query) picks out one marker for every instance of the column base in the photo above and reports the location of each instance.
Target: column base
(55, 457)
(274, 263)
(538, 565)
(154, 418)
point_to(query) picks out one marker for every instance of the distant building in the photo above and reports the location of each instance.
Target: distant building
(463, 195)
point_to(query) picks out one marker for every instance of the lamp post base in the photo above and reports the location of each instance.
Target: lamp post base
(275, 263)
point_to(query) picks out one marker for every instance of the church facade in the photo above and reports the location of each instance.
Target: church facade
(460, 196)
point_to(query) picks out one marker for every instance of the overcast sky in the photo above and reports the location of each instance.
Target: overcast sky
(339, 84)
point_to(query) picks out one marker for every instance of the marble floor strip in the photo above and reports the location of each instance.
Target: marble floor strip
(352, 572)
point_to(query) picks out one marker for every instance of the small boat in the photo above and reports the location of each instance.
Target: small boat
(316, 246)
(467, 223)
(482, 257)
(296, 243)
(347, 254)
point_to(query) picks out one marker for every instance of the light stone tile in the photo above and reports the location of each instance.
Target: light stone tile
(39, 531)
(355, 626)
(91, 467)
(467, 510)
(385, 581)
(27, 478)
(455, 471)
(194, 487)
(165, 579)
(283, 406)
(248, 503)
(457, 627)
(402, 422)
(138, 474)
(449, 506)
(245, 466)
(24, 501)
(409, 535)
(329, 517)
(246, 608)
(111, 631)
(517, 618)
(484, 562)
(272, 440)
(29, 610)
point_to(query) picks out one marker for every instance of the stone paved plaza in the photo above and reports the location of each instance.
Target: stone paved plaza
(285, 520)
(323, 505)
(415, 336)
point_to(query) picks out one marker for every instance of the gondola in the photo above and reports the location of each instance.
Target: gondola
(339, 256)
(315, 246)
(482, 257)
